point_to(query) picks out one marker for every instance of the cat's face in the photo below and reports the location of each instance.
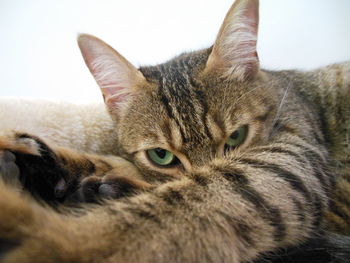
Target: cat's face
(178, 115)
(189, 116)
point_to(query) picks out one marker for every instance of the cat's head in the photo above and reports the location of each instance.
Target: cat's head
(178, 115)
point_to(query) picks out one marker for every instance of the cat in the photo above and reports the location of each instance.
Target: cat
(232, 162)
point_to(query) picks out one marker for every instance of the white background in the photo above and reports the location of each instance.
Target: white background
(39, 56)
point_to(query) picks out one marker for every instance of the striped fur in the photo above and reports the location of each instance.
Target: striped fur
(270, 194)
(273, 192)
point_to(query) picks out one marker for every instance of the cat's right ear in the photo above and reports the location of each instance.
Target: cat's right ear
(116, 76)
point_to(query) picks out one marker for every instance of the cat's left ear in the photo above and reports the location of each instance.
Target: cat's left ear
(116, 76)
(234, 53)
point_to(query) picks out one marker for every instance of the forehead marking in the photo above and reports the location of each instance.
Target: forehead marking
(185, 103)
(172, 134)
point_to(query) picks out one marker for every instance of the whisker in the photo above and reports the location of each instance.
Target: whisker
(245, 94)
(279, 109)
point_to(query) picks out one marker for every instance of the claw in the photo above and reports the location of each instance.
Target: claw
(61, 188)
(9, 171)
(107, 191)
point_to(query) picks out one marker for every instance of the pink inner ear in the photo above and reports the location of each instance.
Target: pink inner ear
(114, 95)
(234, 51)
(113, 73)
(247, 17)
(251, 13)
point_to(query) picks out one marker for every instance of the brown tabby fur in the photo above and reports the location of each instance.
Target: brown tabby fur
(330, 90)
(273, 191)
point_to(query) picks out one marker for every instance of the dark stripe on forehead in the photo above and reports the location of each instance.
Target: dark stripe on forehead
(167, 133)
(203, 101)
(183, 99)
(183, 103)
(169, 110)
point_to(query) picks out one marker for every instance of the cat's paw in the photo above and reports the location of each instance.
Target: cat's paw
(27, 161)
(110, 186)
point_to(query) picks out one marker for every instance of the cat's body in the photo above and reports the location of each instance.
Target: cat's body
(257, 153)
(330, 91)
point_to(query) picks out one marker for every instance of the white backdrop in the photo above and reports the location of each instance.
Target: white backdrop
(39, 56)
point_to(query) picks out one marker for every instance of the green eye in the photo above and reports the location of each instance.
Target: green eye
(237, 137)
(162, 157)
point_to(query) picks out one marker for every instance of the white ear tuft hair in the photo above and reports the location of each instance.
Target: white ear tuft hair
(115, 75)
(234, 52)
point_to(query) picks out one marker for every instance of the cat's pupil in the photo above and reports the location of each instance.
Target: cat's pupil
(234, 135)
(160, 152)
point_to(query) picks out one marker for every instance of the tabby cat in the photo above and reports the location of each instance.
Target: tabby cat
(220, 161)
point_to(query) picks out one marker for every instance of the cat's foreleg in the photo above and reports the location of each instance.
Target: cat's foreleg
(61, 174)
(232, 210)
